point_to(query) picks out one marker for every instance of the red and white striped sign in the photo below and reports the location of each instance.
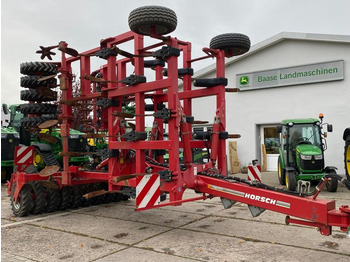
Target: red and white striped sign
(254, 173)
(23, 157)
(147, 191)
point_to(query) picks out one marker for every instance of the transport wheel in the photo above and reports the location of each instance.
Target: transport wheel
(38, 109)
(39, 197)
(332, 185)
(32, 82)
(291, 181)
(347, 157)
(25, 201)
(144, 18)
(66, 198)
(38, 68)
(53, 199)
(77, 196)
(281, 173)
(34, 95)
(232, 44)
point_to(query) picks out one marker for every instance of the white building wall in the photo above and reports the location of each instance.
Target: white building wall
(246, 110)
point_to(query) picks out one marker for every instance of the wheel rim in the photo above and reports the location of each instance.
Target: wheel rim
(38, 160)
(279, 171)
(347, 159)
(287, 181)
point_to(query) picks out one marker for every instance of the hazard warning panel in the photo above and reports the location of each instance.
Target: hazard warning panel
(254, 172)
(147, 191)
(23, 157)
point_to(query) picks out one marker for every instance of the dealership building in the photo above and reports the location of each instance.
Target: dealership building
(290, 75)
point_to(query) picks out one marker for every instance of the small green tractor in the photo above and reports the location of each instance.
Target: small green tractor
(9, 140)
(302, 153)
(346, 137)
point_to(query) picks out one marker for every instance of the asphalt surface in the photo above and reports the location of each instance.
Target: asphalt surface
(195, 231)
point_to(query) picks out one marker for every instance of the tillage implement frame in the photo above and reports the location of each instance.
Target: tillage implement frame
(135, 165)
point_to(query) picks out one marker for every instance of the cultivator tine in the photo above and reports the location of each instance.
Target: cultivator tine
(48, 138)
(93, 135)
(46, 52)
(126, 177)
(95, 194)
(234, 136)
(48, 171)
(70, 51)
(231, 90)
(123, 114)
(48, 124)
(46, 77)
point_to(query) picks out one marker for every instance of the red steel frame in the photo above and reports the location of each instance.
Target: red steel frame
(314, 212)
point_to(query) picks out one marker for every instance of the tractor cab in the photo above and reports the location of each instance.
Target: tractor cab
(302, 152)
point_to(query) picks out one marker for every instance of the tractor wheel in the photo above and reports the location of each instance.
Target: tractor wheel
(53, 199)
(25, 201)
(332, 185)
(291, 181)
(38, 109)
(38, 68)
(77, 196)
(34, 95)
(35, 120)
(281, 173)
(231, 44)
(347, 157)
(39, 197)
(66, 198)
(32, 82)
(143, 19)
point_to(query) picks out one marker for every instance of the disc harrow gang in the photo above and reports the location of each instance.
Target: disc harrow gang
(156, 163)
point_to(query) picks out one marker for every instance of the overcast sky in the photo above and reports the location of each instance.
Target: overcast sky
(25, 25)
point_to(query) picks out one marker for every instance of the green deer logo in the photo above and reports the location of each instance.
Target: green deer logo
(244, 80)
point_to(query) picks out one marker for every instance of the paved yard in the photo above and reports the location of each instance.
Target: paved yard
(195, 231)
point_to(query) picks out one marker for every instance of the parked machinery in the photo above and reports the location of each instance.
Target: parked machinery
(135, 166)
(302, 153)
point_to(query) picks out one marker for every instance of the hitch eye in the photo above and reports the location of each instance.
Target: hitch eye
(304, 157)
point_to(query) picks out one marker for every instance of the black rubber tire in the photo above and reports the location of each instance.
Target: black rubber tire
(291, 181)
(332, 185)
(231, 44)
(6, 173)
(38, 108)
(34, 121)
(53, 199)
(281, 172)
(38, 68)
(66, 198)
(77, 196)
(142, 19)
(32, 82)
(347, 157)
(39, 197)
(25, 203)
(34, 95)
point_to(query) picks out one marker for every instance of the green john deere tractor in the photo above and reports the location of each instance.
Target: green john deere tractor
(302, 153)
(9, 140)
(346, 137)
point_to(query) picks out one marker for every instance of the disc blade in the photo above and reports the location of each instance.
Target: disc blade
(199, 122)
(94, 79)
(48, 171)
(48, 124)
(48, 138)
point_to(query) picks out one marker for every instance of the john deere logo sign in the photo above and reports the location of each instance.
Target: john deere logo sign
(244, 80)
(297, 75)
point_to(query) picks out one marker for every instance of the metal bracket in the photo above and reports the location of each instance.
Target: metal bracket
(165, 52)
(134, 80)
(164, 114)
(165, 175)
(135, 136)
(106, 52)
(106, 102)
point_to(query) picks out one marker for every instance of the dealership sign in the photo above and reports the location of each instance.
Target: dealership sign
(296, 75)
